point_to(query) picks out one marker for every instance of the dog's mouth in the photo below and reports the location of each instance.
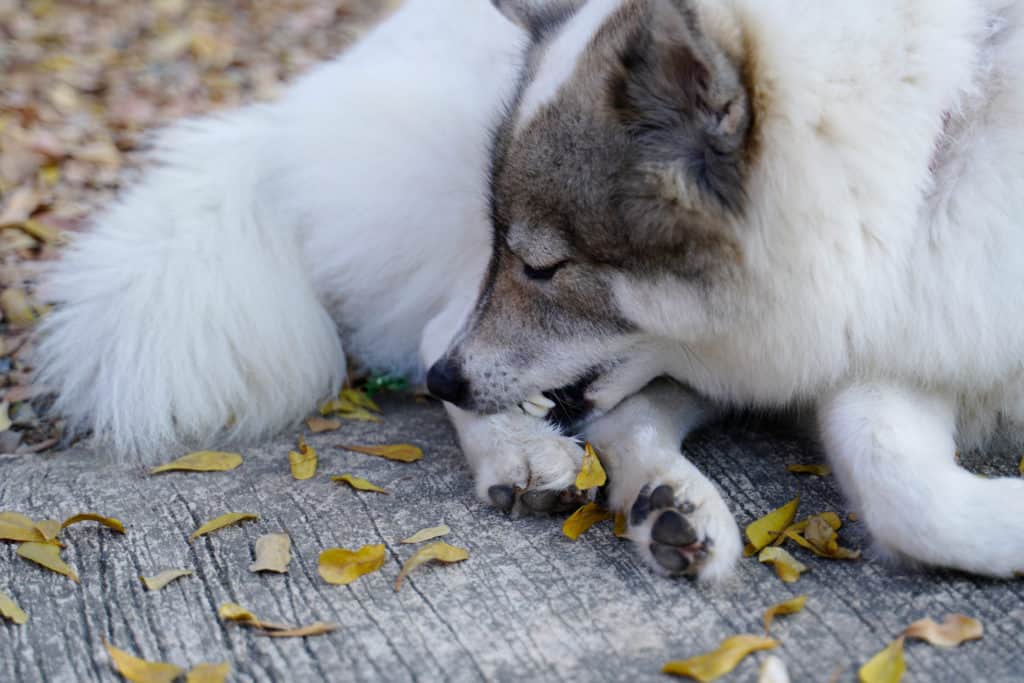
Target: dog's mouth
(566, 407)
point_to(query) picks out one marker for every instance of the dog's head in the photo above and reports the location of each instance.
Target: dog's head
(617, 176)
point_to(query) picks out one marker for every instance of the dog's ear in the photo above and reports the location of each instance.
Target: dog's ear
(537, 16)
(687, 116)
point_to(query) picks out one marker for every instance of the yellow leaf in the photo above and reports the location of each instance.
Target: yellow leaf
(273, 553)
(341, 566)
(713, 665)
(358, 483)
(887, 666)
(347, 410)
(41, 231)
(359, 399)
(317, 629)
(303, 461)
(584, 518)
(232, 611)
(788, 607)
(18, 307)
(787, 567)
(139, 670)
(318, 425)
(591, 474)
(820, 538)
(402, 452)
(5, 418)
(10, 610)
(427, 534)
(956, 629)
(821, 470)
(337, 406)
(155, 583)
(49, 528)
(435, 552)
(46, 555)
(621, 525)
(202, 461)
(360, 415)
(764, 531)
(108, 522)
(222, 521)
(17, 527)
(209, 673)
(1021, 466)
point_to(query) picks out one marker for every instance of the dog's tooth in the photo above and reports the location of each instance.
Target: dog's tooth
(533, 409)
(542, 401)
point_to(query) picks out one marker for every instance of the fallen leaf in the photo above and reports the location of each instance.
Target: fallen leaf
(5, 417)
(347, 410)
(764, 531)
(17, 307)
(358, 483)
(954, 630)
(435, 552)
(46, 555)
(787, 567)
(223, 521)
(818, 470)
(42, 231)
(360, 399)
(713, 665)
(888, 666)
(303, 461)
(317, 629)
(427, 534)
(402, 452)
(155, 583)
(591, 473)
(621, 529)
(10, 610)
(788, 607)
(108, 522)
(19, 205)
(49, 528)
(360, 415)
(202, 461)
(232, 611)
(820, 537)
(341, 567)
(773, 670)
(209, 673)
(15, 526)
(273, 553)
(318, 425)
(584, 518)
(139, 670)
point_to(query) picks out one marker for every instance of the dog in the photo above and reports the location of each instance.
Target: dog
(216, 301)
(775, 204)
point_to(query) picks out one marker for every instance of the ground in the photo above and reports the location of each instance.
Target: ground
(81, 84)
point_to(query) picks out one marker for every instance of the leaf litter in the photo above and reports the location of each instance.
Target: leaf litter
(585, 517)
(717, 663)
(792, 606)
(358, 483)
(402, 452)
(591, 473)
(340, 566)
(159, 581)
(10, 610)
(435, 552)
(48, 556)
(953, 631)
(202, 461)
(303, 461)
(230, 611)
(428, 534)
(223, 521)
(273, 553)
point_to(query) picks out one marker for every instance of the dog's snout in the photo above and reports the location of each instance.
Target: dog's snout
(446, 382)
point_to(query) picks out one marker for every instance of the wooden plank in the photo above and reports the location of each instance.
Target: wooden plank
(527, 605)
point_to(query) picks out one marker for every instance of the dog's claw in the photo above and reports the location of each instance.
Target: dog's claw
(537, 405)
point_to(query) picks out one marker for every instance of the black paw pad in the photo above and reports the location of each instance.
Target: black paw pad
(672, 529)
(502, 497)
(663, 497)
(540, 501)
(670, 558)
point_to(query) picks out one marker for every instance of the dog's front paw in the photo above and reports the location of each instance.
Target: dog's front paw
(684, 530)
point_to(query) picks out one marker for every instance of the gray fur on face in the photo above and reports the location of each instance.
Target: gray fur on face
(636, 167)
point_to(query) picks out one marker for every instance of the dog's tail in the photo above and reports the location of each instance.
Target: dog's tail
(186, 317)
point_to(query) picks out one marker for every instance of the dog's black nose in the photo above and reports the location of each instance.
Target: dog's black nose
(446, 382)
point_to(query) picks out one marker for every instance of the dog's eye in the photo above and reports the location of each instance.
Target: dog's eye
(542, 273)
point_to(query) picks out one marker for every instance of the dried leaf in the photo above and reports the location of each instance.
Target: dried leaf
(427, 534)
(209, 673)
(787, 567)
(223, 521)
(202, 461)
(317, 629)
(5, 418)
(108, 522)
(42, 232)
(17, 307)
(402, 452)
(155, 583)
(764, 531)
(591, 474)
(46, 555)
(341, 567)
(621, 529)
(318, 425)
(713, 665)
(584, 518)
(821, 470)
(820, 537)
(49, 528)
(360, 399)
(887, 666)
(788, 607)
(773, 670)
(303, 461)
(435, 552)
(18, 206)
(10, 610)
(347, 410)
(358, 483)
(15, 526)
(359, 415)
(273, 553)
(232, 611)
(139, 670)
(954, 630)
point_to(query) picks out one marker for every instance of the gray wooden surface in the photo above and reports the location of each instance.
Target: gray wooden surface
(528, 605)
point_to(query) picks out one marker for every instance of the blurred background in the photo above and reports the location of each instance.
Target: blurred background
(82, 83)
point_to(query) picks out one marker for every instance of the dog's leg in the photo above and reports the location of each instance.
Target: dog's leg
(519, 462)
(678, 520)
(893, 451)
